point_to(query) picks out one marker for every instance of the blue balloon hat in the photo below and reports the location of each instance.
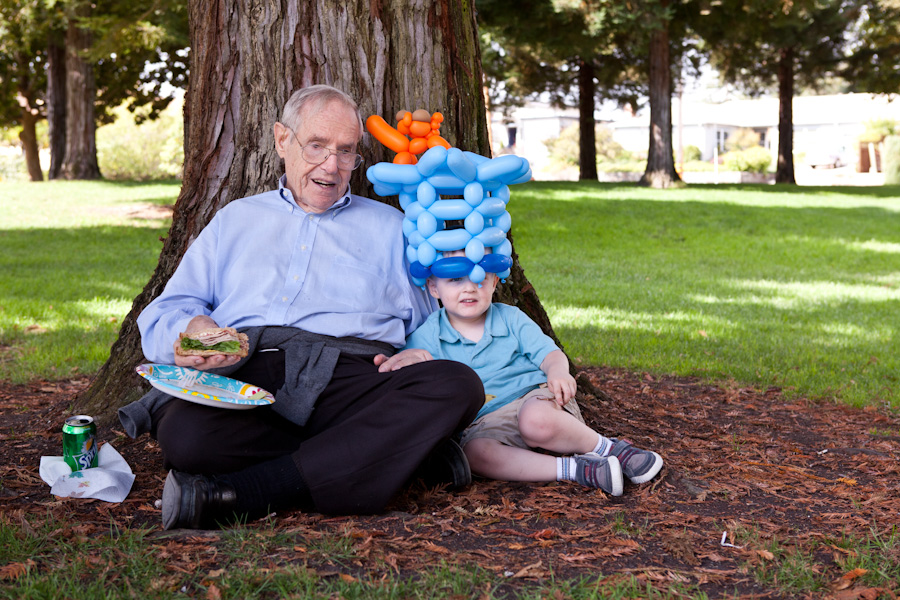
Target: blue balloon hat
(454, 200)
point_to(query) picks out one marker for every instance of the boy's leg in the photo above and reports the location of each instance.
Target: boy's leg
(545, 424)
(489, 458)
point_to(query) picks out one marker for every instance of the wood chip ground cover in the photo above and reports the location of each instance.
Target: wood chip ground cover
(749, 477)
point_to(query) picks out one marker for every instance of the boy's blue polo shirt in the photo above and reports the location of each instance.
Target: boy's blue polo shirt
(507, 358)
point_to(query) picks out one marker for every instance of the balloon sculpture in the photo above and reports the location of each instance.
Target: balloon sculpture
(453, 200)
(423, 128)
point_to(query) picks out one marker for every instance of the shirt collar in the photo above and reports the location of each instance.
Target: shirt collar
(493, 327)
(286, 195)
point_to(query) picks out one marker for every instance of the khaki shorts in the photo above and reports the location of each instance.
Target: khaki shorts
(503, 424)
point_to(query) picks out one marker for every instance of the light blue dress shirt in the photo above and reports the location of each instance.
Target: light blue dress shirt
(507, 358)
(262, 260)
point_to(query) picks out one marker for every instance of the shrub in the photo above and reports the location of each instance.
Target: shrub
(699, 165)
(752, 160)
(151, 150)
(691, 153)
(742, 139)
(565, 148)
(878, 129)
(891, 160)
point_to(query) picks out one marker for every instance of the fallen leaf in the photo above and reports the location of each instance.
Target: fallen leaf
(847, 579)
(213, 593)
(15, 570)
(765, 554)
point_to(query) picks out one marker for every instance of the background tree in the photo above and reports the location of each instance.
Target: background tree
(761, 44)
(874, 49)
(115, 52)
(564, 50)
(660, 171)
(246, 60)
(22, 74)
(80, 160)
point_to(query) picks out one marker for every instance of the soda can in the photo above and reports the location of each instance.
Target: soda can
(80, 442)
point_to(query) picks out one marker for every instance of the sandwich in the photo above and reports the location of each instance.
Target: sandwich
(208, 342)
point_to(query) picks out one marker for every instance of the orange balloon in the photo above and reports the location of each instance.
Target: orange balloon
(436, 140)
(418, 145)
(386, 134)
(405, 158)
(419, 128)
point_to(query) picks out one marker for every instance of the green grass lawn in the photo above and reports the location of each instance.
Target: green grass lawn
(760, 285)
(763, 285)
(73, 255)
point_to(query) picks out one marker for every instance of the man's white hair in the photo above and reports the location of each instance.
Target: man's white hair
(310, 100)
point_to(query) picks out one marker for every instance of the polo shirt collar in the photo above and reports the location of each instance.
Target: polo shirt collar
(492, 327)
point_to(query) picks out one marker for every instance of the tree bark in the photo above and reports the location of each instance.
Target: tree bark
(246, 60)
(30, 115)
(660, 171)
(28, 137)
(587, 138)
(56, 104)
(80, 160)
(784, 172)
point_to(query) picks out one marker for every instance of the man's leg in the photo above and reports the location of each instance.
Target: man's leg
(368, 433)
(373, 429)
(203, 439)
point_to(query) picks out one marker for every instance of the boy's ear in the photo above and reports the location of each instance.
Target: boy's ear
(432, 288)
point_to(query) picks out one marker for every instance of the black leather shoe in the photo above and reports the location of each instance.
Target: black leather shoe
(197, 502)
(447, 464)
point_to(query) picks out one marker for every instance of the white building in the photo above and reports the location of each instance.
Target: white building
(833, 123)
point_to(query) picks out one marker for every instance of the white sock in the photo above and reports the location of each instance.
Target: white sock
(604, 445)
(565, 468)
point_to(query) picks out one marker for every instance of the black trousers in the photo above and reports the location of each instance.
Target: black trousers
(365, 438)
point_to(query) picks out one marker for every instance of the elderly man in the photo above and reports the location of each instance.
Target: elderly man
(316, 277)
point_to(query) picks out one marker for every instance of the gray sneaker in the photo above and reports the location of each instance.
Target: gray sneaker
(638, 465)
(604, 472)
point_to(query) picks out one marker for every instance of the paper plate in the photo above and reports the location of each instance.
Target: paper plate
(204, 388)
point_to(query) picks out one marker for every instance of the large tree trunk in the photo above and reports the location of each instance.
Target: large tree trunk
(246, 60)
(56, 104)
(784, 172)
(587, 138)
(80, 160)
(660, 172)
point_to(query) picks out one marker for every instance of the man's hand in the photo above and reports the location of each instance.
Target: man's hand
(401, 359)
(203, 363)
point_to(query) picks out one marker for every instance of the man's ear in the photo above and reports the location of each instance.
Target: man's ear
(432, 288)
(282, 138)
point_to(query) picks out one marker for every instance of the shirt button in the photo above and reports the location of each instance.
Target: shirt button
(284, 298)
(296, 277)
(303, 247)
(310, 217)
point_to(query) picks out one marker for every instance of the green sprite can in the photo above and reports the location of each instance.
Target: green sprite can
(80, 442)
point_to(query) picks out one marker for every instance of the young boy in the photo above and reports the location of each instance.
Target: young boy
(530, 395)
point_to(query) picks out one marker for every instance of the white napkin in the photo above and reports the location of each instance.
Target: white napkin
(109, 481)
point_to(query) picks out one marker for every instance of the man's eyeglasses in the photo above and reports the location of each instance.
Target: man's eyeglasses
(316, 153)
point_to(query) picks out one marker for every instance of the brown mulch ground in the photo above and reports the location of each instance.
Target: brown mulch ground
(771, 473)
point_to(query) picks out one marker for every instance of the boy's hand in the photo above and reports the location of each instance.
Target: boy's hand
(559, 380)
(402, 359)
(563, 388)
